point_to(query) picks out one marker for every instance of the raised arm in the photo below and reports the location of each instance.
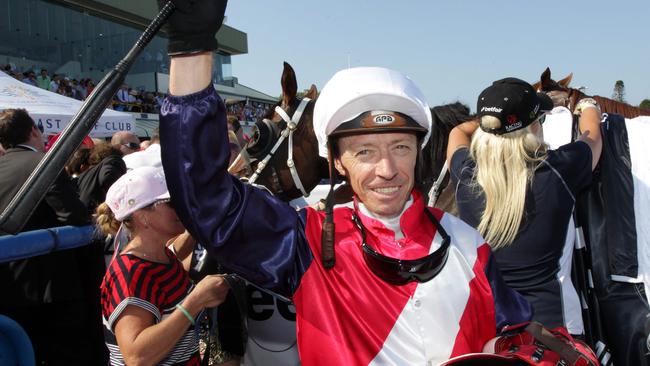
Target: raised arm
(248, 230)
(460, 136)
(589, 125)
(190, 74)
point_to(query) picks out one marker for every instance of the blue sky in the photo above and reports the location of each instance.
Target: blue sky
(452, 49)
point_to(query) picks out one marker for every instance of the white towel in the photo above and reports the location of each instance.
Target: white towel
(557, 127)
(638, 131)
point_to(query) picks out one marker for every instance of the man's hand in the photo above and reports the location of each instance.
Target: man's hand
(193, 25)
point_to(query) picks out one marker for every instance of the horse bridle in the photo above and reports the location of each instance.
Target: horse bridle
(567, 101)
(292, 124)
(434, 192)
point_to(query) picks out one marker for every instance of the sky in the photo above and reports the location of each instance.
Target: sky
(452, 49)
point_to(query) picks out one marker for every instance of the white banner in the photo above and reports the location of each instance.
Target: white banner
(54, 111)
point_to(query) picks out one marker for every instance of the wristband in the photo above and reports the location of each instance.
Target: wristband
(186, 313)
(586, 103)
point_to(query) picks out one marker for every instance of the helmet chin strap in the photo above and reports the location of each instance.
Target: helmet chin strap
(292, 125)
(328, 256)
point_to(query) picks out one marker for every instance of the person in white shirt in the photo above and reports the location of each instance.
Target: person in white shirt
(147, 157)
(54, 84)
(123, 94)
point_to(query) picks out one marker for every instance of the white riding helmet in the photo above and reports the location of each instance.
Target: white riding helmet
(369, 100)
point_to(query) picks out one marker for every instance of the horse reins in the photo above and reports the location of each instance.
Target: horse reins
(292, 125)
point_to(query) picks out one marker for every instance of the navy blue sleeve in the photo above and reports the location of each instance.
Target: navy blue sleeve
(462, 166)
(247, 230)
(511, 307)
(573, 162)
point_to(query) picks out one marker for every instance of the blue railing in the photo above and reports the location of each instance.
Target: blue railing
(39, 242)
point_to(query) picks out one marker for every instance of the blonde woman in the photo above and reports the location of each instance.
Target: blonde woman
(520, 194)
(149, 304)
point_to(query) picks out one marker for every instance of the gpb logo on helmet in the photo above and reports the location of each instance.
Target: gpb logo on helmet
(383, 119)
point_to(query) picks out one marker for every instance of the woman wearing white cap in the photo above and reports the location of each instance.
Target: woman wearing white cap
(520, 195)
(408, 285)
(149, 304)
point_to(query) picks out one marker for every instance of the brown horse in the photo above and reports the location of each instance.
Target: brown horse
(276, 174)
(565, 96)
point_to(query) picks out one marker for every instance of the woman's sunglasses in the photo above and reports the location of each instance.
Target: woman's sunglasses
(402, 271)
(541, 118)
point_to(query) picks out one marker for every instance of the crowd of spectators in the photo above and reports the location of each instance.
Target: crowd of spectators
(126, 99)
(248, 111)
(134, 100)
(55, 297)
(36, 285)
(57, 83)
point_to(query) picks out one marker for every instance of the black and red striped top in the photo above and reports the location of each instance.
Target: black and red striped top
(155, 287)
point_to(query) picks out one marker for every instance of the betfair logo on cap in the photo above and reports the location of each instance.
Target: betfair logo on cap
(491, 109)
(383, 119)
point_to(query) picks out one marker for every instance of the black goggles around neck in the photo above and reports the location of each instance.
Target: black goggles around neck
(402, 271)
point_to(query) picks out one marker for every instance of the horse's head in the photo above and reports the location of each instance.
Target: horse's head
(558, 91)
(292, 122)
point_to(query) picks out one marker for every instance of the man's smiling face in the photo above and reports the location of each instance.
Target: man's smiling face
(380, 167)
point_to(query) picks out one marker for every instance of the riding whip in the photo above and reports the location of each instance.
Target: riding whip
(21, 207)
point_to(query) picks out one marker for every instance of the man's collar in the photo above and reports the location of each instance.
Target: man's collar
(27, 147)
(392, 223)
(409, 218)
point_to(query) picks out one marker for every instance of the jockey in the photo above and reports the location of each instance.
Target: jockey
(409, 285)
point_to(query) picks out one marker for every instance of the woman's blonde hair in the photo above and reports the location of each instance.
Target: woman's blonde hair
(505, 165)
(105, 220)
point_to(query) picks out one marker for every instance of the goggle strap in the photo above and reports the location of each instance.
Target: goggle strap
(328, 256)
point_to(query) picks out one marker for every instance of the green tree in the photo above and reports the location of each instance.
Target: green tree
(645, 104)
(619, 91)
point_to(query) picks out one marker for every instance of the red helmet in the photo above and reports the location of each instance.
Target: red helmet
(532, 346)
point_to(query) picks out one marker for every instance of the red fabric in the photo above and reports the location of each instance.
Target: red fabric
(350, 310)
(523, 346)
(131, 281)
(162, 285)
(479, 316)
(417, 229)
(51, 139)
(348, 295)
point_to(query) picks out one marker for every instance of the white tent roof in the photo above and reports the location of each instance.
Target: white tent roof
(54, 111)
